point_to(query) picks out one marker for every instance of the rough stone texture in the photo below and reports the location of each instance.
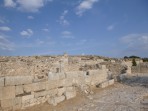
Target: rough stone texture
(54, 101)
(70, 94)
(61, 91)
(17, 103)
(35, 87)
(1, 81)
(104, 84)
(51, 84)
(19, 90)
(27, 98)
(7, 92)
(111, 82)
(73, 74)
(7, 103)
(17, 80)
(40, 94)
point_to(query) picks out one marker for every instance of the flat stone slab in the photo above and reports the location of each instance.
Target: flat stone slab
(17, 80)
(1, 81)
(7, 92)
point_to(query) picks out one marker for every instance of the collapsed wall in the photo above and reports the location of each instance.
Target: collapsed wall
(18, 92)
(140, 68)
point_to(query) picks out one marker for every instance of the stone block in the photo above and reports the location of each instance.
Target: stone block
(1, 81)
(73, 74)
(19, 90)
(61, 75)
(27, 98)
(61, 91)
(39, 86)
(17, 80)
(103, 66)
(69, 82)
(104, 84)
(27, 88)
(55, 100)
(7, 92)
(34, 87)
(70, 88)
(53, 76)
(40, 94)
(111, 82)
(52, 92)
(7, 103)
(17, 103)
(51, 84)
(93, 72)
(70, 94)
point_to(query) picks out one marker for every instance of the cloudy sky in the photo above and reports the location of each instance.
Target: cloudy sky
(112, 28)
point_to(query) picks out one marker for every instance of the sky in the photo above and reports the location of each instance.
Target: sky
(113, 28)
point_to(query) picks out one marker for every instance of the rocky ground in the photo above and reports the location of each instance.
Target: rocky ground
(130, 95)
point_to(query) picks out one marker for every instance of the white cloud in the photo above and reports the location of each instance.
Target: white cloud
(9, 3)
(5, 44)
(26, 5)
(3, 20)
(30, 17)
(136, 44)
(67, 34)
(62, 19)
(39, 42)
(27, 32)
(5, 28)
(45, 30)
(111, 27)
(85, 5)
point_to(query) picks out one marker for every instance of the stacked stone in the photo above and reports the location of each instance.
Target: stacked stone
(17, 92)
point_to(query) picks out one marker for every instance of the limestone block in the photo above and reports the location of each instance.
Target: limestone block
(7, 103)
(19, 90)
(35, 87)
(70, 94)
(55, 100)
(1, 81)
(39, 86)
(111, 82)
(17, 103)
(69, 82)
(40, 94)
(51, 84)
(73, 74)
(17, 80)
(53, 76)
(27, 98)
(7, 92)
(61, 91)
(104, 84)
(27, 88)
(103, 66)
(61, 75)
(93, 72)
(52, 92)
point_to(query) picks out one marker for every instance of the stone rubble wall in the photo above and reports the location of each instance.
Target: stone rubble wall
(18, 92)
(140, 68)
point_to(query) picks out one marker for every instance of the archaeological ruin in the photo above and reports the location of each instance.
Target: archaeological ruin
(29, 81)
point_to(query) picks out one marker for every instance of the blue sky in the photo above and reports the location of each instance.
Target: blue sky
(113, 28)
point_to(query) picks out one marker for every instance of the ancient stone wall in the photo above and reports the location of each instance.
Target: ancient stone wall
(140, 68)
(21, 91)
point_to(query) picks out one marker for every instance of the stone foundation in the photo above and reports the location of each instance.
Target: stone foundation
(18, 92)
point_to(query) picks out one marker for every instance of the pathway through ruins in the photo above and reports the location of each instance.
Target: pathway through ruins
(132, 95)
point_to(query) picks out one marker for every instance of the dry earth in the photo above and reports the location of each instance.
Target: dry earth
(131, 95)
